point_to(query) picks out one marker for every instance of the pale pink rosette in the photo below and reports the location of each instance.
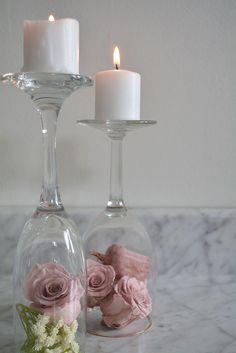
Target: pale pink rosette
(129, 301)
(100, 280)
(53, 291)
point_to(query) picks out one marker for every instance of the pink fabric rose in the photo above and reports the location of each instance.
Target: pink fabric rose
(54, 292)
(100, 280)
(130, 301)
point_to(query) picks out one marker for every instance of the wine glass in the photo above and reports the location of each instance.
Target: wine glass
(120, 264)
(49, 270)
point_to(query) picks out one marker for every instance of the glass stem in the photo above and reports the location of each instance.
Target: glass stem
(116, 187)
(50, 197)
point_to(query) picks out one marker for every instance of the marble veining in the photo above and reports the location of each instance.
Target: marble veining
(195, 306)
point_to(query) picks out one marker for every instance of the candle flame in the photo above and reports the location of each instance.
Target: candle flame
(51, 18)
(116, 58)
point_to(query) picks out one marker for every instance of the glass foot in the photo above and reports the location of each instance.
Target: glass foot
(115, 128)
(97, 328)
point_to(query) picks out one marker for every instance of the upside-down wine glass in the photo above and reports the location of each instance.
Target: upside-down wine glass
(49, 271)
(120, 267)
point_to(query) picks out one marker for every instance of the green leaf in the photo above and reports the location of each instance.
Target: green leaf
(28, 318)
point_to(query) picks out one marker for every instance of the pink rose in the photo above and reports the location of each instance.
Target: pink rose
(130, 301)
(54, 292)
(125, 262)
(100, 279)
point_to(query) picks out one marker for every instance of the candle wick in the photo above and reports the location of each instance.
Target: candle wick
(117, 68)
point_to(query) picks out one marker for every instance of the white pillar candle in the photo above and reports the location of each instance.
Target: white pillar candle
(117, 94)
(51, 46)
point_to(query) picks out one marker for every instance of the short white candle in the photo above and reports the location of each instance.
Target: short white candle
(117, 93)
(51, 46)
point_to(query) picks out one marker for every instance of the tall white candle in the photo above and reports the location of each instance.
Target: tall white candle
(51, 46)
(117, 93)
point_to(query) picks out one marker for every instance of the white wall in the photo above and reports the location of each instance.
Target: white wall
(185, 51)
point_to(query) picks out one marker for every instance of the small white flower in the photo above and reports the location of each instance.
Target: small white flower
(75, 347)
(66, 330)
(60, 333)
(39, 329)
(34, 329)
(55, 331)
(50, 341)
(59, 350)
(42, 338)
(38, 347)
(58, 339)
(44, 319)
(67, 340)
(60, 323)
(74, 326)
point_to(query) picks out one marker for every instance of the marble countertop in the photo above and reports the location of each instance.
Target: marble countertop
(191, 317)
(195, 304)
(196, 318)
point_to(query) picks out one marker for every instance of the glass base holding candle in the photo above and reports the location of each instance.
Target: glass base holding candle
(120, 263)
(49, 271)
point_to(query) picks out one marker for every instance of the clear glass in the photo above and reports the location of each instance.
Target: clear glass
(118, 250)
(49, 271)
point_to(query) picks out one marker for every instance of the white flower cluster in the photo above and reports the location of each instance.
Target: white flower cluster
(55, 338)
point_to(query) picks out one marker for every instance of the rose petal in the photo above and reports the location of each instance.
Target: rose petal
(129, 302)
(116, 311)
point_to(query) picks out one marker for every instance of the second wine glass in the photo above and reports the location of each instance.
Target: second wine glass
(120, 268)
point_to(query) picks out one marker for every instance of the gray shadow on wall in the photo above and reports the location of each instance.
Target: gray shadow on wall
(74, 170)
